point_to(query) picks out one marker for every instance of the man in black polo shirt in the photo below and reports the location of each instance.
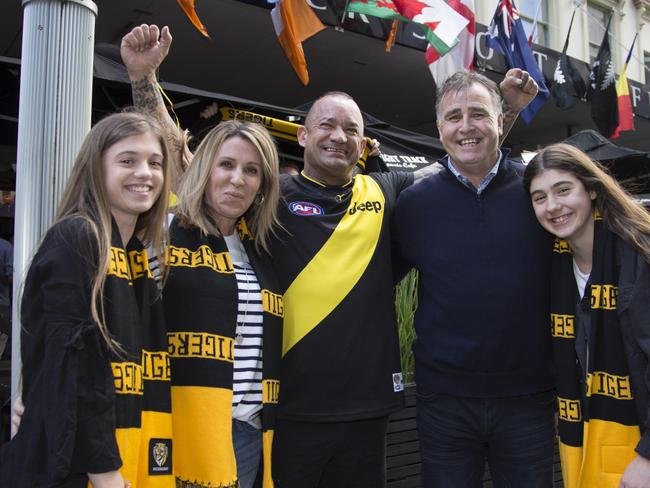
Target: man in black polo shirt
(341, 374)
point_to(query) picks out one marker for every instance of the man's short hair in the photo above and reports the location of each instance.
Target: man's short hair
(461, 80)
(333, 94)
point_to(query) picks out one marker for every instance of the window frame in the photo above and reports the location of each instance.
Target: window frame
(542, 25)
(606, 11)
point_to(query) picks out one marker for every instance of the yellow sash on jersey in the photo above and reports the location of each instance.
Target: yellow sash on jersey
(337, 267)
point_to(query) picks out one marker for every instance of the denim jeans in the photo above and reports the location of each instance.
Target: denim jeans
(515, 435)
(247, 441)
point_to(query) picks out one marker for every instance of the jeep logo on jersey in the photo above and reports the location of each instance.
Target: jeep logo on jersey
(365, 207)
(305, 209)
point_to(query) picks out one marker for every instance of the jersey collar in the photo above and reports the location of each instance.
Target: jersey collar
(316, 182)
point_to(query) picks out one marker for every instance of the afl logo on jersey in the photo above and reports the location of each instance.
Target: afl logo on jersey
(305, 209)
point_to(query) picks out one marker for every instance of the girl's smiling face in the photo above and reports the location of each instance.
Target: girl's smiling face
(562, 204)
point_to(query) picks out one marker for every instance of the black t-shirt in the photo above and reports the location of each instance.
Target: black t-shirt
(340, 353)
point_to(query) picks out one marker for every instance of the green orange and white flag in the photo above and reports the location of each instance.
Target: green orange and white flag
(461, 55)
(294, 22)
(625, 112)
(441, 23)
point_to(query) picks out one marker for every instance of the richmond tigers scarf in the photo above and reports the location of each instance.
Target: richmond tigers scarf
(200, 298)
(598, 423)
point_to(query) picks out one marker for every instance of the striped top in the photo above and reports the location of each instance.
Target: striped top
(247, 369)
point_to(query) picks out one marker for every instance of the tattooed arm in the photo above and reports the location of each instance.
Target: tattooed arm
(518, 89)
(143, 50)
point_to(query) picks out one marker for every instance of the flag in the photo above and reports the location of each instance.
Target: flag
(534, 27)
(461, 56)
(625, 113)
(441, 23)
(568, 85)
(383, 9)
(602, 89)
(188, 8)
(506, 34)
(294, 22)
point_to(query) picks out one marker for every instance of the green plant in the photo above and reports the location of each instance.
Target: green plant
(406, 302)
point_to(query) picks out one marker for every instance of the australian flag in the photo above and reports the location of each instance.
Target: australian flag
(506, 35)
(568, 85)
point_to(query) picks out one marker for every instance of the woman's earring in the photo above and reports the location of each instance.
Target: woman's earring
(259, 199)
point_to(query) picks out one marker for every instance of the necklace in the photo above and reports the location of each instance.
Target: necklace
(239, 330)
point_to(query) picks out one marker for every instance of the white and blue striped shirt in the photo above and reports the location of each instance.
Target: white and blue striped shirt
(247, 370)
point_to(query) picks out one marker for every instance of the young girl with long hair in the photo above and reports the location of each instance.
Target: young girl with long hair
(600, 317)
(95, 374)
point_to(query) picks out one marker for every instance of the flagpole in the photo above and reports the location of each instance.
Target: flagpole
(347, 2)
(629, 53)
(534, 28)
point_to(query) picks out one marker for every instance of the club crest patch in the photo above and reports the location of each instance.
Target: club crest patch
(160, 456)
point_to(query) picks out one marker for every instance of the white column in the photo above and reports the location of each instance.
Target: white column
(54, 117)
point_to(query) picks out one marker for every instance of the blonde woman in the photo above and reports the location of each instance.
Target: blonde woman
(95, 370)
(600, 317)
(224, 310)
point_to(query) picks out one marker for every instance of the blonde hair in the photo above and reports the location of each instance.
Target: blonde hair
(261, 218)
(622, 215)
(85, 197)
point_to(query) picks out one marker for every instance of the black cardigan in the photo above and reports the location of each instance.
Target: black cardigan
(79, 397)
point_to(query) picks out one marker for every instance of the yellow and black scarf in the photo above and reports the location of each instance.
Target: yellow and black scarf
(201, 300)
(141, 379)
(598, 422)
(89, 409)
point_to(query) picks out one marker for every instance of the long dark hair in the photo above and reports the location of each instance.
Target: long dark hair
(620, 212)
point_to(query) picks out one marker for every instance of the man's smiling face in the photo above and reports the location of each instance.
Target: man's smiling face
(333, 139)
(470, 126)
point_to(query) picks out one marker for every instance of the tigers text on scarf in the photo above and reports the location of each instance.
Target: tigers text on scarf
(201, 302)
(598, 422)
